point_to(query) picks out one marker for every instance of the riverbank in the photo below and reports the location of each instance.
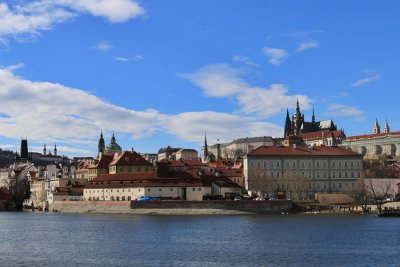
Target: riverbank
(216, 207)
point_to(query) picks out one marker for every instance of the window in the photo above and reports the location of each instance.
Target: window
(171, 189)
(309, 165)
(359, 174)
(324, 164)
(352, 164)
(352, 185)
(352, 174)
(324, 174)
(287, 164)
(123, 198)
(317, 174)
(333, 174)
(148, 190)
(160, 189)
(258, 164)
(333, 185)
(251, 164)
(309, 185)
(333, 164)
(277, 175)
(317, 164)
(194, 189)
(340, 185)
(117, 198)
(293, 164)
(265, 164)
(302, 164)
(271, 165)
(340, 174)
(277, 164)
(272, 175)
(346, 175)
(345, 164)
(340, 164)
(309, 175)
(199, 189)
(302, 174)
(129, 198)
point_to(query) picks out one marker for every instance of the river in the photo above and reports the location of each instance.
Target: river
(55, 239)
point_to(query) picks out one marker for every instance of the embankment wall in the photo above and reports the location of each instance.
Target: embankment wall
(173, 207)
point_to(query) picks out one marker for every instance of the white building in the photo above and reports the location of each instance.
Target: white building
(301, 171)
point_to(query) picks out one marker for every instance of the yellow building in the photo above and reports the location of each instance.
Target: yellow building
(129, 162)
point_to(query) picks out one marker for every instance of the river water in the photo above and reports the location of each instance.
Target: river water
(55, 239)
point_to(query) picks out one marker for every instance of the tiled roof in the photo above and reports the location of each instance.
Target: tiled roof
(193, 163)
(321, 134)
(104, 161)
(302, 151)
(130, 158)
(367, 136)
(176, 163)
(221, 181)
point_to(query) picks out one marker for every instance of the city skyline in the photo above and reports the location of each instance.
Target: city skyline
(159, 74)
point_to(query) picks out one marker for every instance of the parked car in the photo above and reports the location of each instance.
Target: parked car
(144, 199)
(237, 198)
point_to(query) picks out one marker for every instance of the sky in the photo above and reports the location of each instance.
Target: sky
(159, 73)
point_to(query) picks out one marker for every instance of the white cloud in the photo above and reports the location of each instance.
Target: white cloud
(269, 101)
(190, 126)
(138, 57)
(307, 45)
(371, 75)
(52, 113)
(103, 46)
(276, 55)
(28, 18)
(221, 80)
(216, 80)
(344, 110)
(115, 11)
(244, 60)
(122, 59)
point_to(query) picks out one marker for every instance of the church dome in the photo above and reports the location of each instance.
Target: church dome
(113, 147)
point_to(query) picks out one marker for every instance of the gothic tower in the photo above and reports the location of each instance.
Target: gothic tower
(206, 156)
(102, 144)
(288, 124)
(55, 149)
(297, 120)
(386, 128)
(44, 150)
(377, 128)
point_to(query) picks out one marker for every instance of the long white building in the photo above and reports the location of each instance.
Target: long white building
(301, 171)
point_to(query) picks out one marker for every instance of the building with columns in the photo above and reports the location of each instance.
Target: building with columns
(376, 145)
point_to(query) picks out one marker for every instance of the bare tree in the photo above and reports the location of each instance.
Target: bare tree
(378, 192)
(260, 182)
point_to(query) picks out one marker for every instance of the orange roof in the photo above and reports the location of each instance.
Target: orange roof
(302, 151)
(366, 136)
(321, 134)
(130, 158)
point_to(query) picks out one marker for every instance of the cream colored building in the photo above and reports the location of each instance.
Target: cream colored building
(129, 186)
(301, 171)
(186, 154)
(129, 162)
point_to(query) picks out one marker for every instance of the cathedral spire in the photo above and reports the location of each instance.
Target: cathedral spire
(298, 107)
(377, 128)
(101, 146)
(288, 124)
(55, 149)
(386, 128)
(313, 116)
(205, 149)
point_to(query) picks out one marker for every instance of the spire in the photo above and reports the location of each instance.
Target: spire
(55, 149)
(386, 128)
(44, 150)
(298, 107)
(313, 115)
(113, 140)
(377, 128)
(288, 124)
(101, 146)
(205, 148)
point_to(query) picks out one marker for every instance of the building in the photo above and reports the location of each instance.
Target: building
(186, 154)
(301, 171)
(111, 149)
(235, 149)
(167, 153)
(297, 125)
(101, 167)
(376, 145)
(129, 161)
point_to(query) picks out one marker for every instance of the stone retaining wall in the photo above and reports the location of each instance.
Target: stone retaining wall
(174, 207)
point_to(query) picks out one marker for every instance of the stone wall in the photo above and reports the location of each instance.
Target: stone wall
(174, 207)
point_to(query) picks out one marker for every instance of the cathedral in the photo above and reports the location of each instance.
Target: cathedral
(111, 148)
(297, 126)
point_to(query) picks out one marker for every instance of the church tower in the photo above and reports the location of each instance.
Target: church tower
(44, 150)
(377, 128)
(297, 120)
(386, 128)
(288, 124)
(102, 144)
(206, 156)
(55, 149)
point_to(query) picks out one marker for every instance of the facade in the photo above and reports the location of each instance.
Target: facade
(186, 154)
(129, 161)
(101, 167)
(377, 144)
(167, 153)
(301, 171)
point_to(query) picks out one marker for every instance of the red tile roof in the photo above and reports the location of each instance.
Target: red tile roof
(104, 161)
(302, 151)
(321, 134)
(130, 158)
(367, 136)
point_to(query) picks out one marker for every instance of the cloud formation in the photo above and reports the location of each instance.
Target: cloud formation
(340, 110)
(275, 55)
(221, 80)
(103, 46)
(29, 18)
(370, 76)
(307, 45)
(52, 113)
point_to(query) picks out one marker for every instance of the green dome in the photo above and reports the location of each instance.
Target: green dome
(113, 147)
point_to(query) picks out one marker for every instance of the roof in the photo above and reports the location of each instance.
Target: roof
(302, 151)
(321, 134)
(367, 136)
(130, 158)
(221, 181)
(188, 150)
(193, 163)
(104, 161)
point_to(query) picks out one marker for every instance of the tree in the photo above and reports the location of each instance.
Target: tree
(378, 191)
(20, 190)
(260, 182)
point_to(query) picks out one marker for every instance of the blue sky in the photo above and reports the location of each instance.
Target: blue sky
(161, 73)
